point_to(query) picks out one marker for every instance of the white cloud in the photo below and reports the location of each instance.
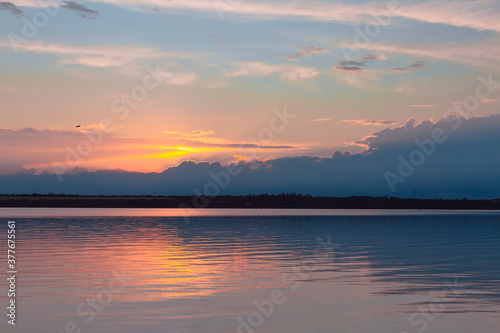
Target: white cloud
(253, 69)
(177, 79)
(359, 79)
(479, 15)
(163, 75)
(97, 56)
(298, 74)
(259, 69)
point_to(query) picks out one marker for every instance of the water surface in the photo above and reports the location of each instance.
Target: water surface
(213, 274)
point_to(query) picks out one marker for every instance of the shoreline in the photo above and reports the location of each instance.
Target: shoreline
(280, 201)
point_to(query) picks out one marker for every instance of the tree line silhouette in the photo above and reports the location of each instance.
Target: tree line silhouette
(284, 200)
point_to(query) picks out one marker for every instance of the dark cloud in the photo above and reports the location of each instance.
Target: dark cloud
(349, 66)
(372, 57)
(408, 69)
(348, 69)
(351, 63)
(31, 147)
(11, 8)
(82, 10)
(11, 168)
(356, 66)
(466, 164)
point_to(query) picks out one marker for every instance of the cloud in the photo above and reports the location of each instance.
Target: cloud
(351, 63)
(161, 74)
(359, 79)
(405, 135)
(338, 154)
(372, 57)
(365, 122)
(32, 148)
(253, 69)
(216, 39)
(82, 10)
(259, 69)
(480, 54)
(244, 145)
(192, 134)
(422, 105)
(479, 15)
(11, 8)
(321, 119)
(357, 67)
(355, 74)
(444, 172)
(299, 74)
(97, 56)
(13, 168)
(408, 69)
(349, 67)
(306, 53)
(177, 79)
(406, 89)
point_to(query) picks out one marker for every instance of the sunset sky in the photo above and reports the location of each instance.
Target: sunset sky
(227, 69)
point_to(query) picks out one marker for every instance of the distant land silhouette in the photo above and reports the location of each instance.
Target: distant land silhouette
(285, 200)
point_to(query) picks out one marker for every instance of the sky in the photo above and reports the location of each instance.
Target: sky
(145, 85)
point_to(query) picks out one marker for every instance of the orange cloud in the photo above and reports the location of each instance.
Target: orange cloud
(88, 147)
(321, 119)
(422, 105)
(365, 122)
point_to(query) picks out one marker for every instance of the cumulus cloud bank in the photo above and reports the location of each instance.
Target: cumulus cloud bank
(464, 163)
